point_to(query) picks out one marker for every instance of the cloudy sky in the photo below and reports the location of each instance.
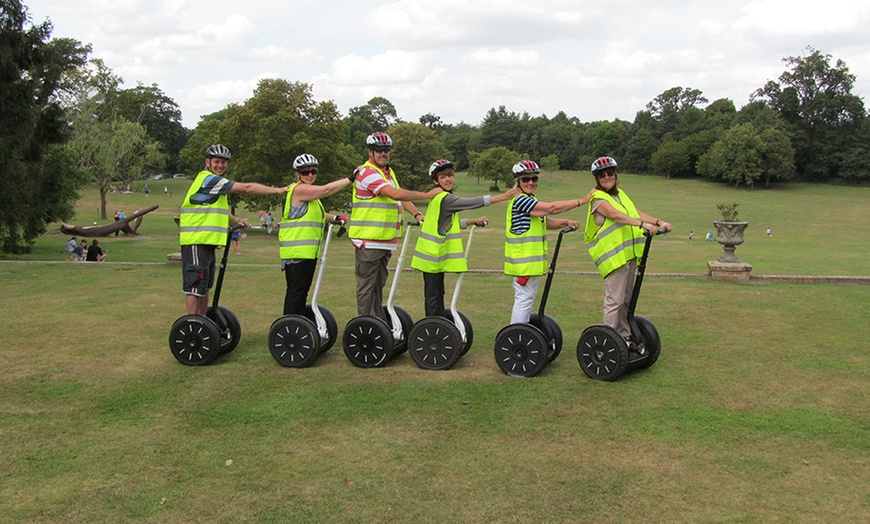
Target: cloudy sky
(593, 59)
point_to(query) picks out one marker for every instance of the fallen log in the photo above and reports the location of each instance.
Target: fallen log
(128, 225)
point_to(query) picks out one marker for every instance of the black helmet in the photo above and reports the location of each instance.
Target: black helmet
(217, 150)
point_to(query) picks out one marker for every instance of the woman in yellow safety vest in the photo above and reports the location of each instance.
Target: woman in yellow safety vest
(301, 230)
(525, 248)
(439, 247)
(614, 238)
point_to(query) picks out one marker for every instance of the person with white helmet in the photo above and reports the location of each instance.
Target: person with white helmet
(525, 248)
(439, 247)
(376, 222)
(301, 230)
(614, 238)
(203, 222)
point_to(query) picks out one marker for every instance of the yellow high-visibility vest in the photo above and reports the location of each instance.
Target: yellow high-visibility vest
(613, 245)
(437, 253)
(525, 255)
(300, 237)
(203, 224)
(375, 218)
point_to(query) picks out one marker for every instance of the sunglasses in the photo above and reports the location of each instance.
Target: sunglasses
(605, 174)
(308, 172)
(383, 151)
(527, 179)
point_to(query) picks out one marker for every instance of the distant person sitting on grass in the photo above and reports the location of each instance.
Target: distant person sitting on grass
(95, 252)
(71, 245)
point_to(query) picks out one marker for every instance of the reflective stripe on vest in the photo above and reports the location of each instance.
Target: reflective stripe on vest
(300, 237)
(375, 218)
(525, 254)
(613, 244)
(203, 224)
(436, 253)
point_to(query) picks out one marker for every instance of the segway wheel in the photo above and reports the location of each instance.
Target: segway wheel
(400, 346)
(469, 332)
(331, 326)
(233, 334)
(435, 343)
(602, 353)
(293, 341)
(194, 340)
(651, 341)
(367, 342)
(521, 350)
(550, 328)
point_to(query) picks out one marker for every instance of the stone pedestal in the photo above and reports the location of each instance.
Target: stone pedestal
(737, 271)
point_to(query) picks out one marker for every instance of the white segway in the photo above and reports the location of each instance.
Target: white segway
(604, 355)
(370, 342)
(197, 340)
(296, 340)
(436, 342)
(523, 349)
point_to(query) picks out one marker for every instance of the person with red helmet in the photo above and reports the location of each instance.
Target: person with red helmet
(525, 249)
(439, 247)
(376, 222)
(614, 238)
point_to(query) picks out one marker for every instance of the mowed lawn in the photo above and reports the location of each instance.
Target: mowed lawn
(755, 412)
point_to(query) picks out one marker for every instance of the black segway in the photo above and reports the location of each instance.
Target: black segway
(197, 340)
(436, 342)
(522, 350)
(370, 342)
(295, 340)
(602, 352)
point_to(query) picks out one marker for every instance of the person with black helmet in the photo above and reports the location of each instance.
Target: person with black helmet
(376, 222)
(525, 248)
(203, 222)
(439, 246)
(301, 230)
(614, 238)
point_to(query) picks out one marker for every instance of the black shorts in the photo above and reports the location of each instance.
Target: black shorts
(197, 267)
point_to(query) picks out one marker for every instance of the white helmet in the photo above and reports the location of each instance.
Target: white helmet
(526, 167)
(217, 150)
(379, 139)
(438, 166)
(304, 160)
(603, 163)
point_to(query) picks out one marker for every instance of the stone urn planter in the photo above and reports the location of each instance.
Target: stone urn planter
(730, 235)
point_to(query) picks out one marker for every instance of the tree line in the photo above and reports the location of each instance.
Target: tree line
(65, 122)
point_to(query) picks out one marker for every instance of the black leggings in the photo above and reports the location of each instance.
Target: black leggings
(299, 277)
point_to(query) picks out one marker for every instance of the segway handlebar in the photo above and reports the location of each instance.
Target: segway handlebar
(237, 226)
(659, 231)
(482, 223)
(567, 229)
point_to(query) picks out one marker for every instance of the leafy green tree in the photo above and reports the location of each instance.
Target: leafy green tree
(672, 159)
(815, 98)
(550, 163)
(38, 179)
(456, 139)
(495, 164)
(501, 127)
(415, 147)
(676, 112)
(432, 121)
(735, 158)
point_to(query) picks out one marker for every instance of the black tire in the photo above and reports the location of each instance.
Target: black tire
(651, 341)
(469, 331)
(194, 340)
(551, 330)
(602, 353)
(293, 341)
(229, 339)
(435, 343)
(521, 350)
(367, 342)
(400, 346)
(331, 326)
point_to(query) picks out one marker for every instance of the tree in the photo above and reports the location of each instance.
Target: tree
(736, 157)
(456, 139)
(432, 121)
(494, 164)
(501, 128)
(550, 163)
(815, 98)
(38, 179)
(415, 147)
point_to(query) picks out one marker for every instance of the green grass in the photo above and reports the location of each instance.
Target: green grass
(756, 411)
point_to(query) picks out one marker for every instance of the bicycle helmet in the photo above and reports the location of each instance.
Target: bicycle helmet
(603, 163)
(304, 160)
(379, 139)
(217, 150)
(438, 166)
(526, 167)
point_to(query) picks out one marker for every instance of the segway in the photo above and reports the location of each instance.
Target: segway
(602, 352)
(436, 342)
(369, 341)
(197, 340)
(523, 349)
(296, 340)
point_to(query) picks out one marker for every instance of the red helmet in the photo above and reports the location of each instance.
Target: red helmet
(526, 167)
(438, 166)
(379, 139)
(603, 163)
